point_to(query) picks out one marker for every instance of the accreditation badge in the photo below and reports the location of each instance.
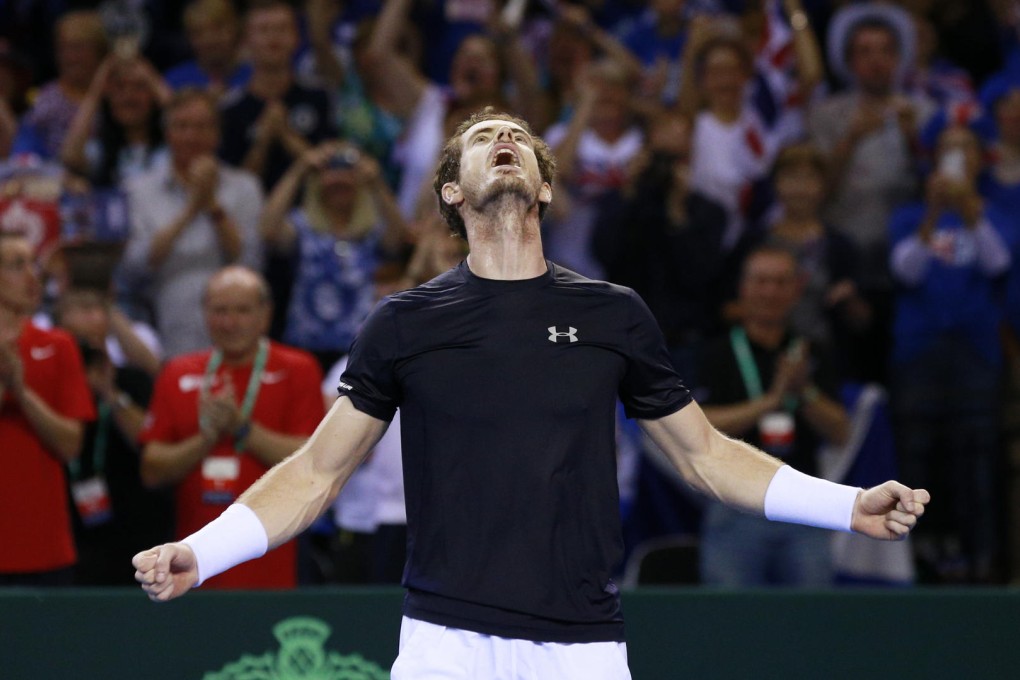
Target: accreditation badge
(92, 500)
(221, 476)
(777, 432)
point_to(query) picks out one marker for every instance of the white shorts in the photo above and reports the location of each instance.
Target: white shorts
(431, 652)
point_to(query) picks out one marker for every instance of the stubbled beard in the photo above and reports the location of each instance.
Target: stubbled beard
(499, 191)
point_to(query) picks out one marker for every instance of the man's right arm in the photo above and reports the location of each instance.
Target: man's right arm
(285, 501)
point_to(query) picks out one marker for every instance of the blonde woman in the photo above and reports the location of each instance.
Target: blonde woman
(347, 222)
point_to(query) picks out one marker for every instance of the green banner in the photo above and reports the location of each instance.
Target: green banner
(351, 634)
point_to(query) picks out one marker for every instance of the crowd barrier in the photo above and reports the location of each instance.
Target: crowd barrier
(351, 634)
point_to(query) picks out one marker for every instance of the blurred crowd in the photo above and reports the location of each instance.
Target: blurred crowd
(200, 202)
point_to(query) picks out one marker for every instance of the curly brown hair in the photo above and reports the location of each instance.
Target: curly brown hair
(449, 164)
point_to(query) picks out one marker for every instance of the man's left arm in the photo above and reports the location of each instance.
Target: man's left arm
(748, 479)
(60, 426)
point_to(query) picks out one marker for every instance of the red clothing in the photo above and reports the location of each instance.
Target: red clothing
(289, 402)
(35, 526)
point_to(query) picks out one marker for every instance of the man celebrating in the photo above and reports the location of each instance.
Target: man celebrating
(506, 370)
(44, 402)
(221, 417)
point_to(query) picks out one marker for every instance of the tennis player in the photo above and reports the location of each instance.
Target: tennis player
(506, 370)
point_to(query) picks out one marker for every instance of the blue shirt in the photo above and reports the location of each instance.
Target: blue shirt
(333, 288)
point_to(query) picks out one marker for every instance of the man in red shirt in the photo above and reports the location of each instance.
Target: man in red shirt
(221, 417)
(44, 399)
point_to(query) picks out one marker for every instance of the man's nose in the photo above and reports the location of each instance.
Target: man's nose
(505, 134)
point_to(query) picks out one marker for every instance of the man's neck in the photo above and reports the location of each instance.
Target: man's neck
(270, 82)
(765, 334)
(505, 242)
(243, 358)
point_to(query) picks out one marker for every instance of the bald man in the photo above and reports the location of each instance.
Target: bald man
(221, 417)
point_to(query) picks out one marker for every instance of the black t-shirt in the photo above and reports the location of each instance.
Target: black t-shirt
(723, 384)
(507, 392)
(308, 114)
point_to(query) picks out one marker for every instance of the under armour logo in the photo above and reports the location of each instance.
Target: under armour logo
(554, 334)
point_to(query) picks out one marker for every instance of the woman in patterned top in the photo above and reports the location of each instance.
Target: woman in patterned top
(346, 224)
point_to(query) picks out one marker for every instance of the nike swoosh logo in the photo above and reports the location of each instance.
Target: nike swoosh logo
(190, 382)
(40, 353)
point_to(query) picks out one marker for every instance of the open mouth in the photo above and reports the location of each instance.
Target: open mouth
(505, 157)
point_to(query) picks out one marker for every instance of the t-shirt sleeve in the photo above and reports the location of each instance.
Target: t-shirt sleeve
(370, 381)
(651, 387)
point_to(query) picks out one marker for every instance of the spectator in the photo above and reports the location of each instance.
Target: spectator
(272, 120)
(188, 220)
(870, 134)
(117, 132)
(593, 154)
(732, 147)
(214, 32)
(221, 417)
(948, 255)
(44, 401)
(664, 239)
(86, 309)
(933, 75)
(80, 47)
(362, 103)
(768, 385)
(112, 512)
(831, 308)
(348, 222)
(478, 77)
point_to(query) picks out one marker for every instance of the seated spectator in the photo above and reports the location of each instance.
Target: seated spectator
(347, 223)
(775, 389)
(117, 132)
(112, 512)
(189, 219)
(80, 49)
(272, 120)
(831, 308)
(214, 32)
(593, 155)
(44, 403)
(948, 257)
(221, 417)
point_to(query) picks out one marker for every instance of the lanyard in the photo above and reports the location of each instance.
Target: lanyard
(749, 369)
(98, 445)
(254, 382)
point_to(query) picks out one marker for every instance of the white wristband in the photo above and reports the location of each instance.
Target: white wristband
(235, 536)
(795, 497)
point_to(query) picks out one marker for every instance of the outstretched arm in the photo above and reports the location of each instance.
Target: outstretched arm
(284, 502)
(740, 475)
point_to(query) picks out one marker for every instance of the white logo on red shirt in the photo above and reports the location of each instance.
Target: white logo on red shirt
(40, 353)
